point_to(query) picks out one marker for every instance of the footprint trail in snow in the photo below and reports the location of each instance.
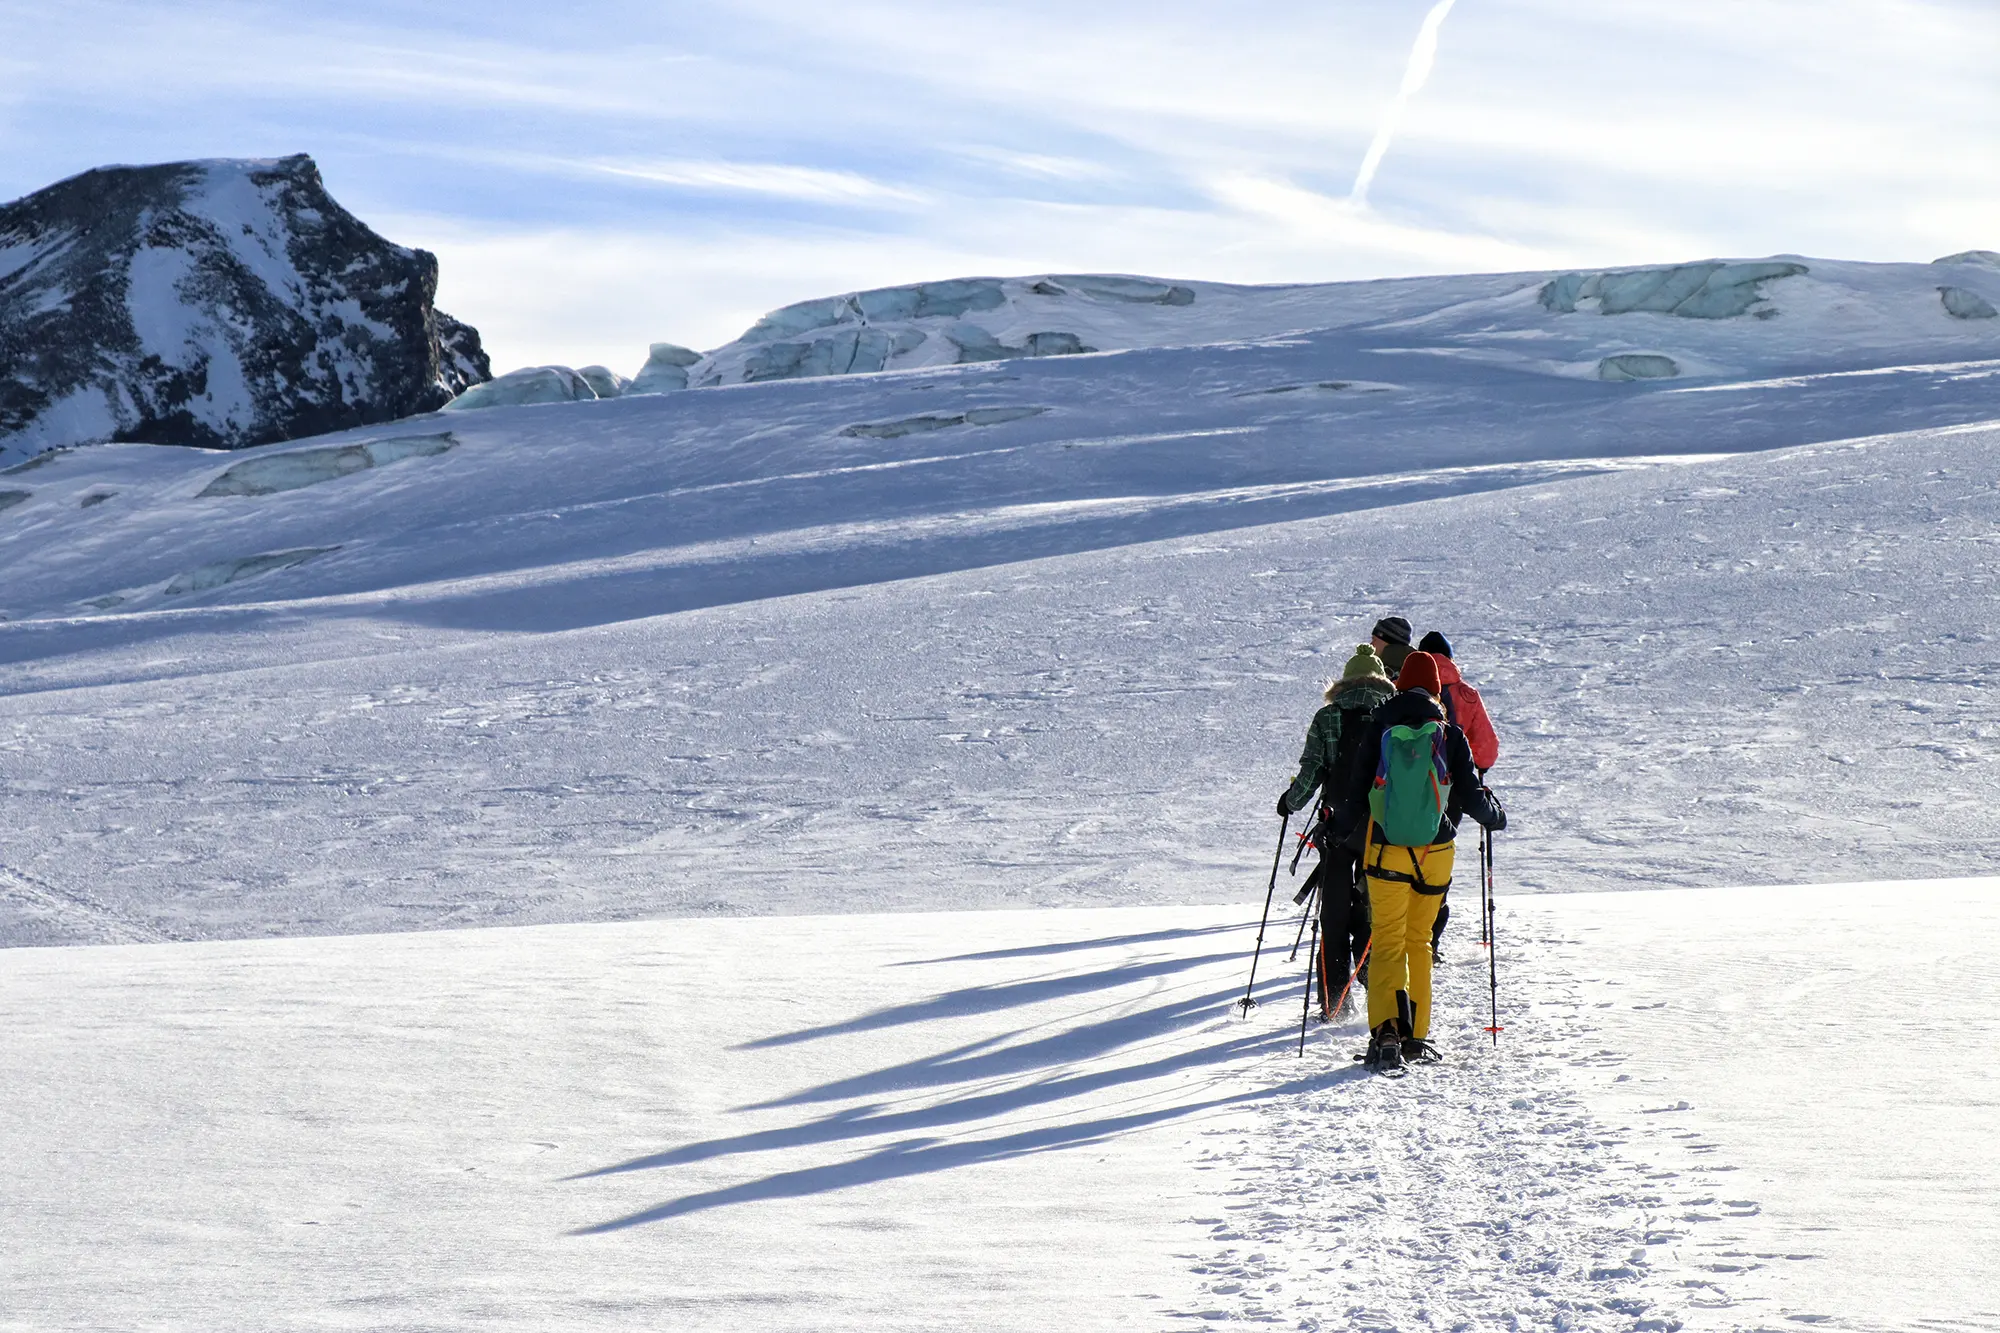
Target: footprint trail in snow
(1479, 1193)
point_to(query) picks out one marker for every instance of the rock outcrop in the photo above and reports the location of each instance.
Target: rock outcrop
(221, 303)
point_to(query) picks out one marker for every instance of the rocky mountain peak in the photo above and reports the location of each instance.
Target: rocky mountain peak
(221, 303)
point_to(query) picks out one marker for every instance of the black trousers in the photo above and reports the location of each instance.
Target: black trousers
(1343, 922)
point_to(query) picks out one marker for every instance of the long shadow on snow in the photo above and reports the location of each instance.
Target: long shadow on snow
(1050, 1053)
(923, 1156)
(986, 999)
(1055, 1055)
(590, 598)
(1072, 946)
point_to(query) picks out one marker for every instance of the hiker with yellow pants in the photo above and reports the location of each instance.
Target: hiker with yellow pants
(1420, 784)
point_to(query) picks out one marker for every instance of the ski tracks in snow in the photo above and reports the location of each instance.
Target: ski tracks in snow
(1476, 1194)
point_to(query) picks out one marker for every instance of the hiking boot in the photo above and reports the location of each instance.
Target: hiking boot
(1417, 1051)
(1385, 1047)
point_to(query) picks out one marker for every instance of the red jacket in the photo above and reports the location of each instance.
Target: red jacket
(1467, 712)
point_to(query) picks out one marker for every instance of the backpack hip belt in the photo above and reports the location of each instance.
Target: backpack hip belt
(1416, 881)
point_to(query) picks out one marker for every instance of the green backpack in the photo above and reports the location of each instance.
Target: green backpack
(1412, 785)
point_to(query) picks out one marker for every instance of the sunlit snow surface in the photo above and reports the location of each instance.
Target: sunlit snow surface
(1038, 634)
(1702, 1113)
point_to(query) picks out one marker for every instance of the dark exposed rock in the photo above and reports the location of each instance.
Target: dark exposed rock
(462, 362)
(221, 303)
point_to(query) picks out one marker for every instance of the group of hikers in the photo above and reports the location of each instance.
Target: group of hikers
(1395, 759)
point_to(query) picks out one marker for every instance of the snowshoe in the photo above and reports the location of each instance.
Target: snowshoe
(1417, 1051)
(1385, 1049)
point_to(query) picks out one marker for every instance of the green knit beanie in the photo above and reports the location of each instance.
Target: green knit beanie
(1365, 665)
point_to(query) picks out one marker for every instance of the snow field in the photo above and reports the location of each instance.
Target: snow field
(921, 1121)
(1010, 1120)
(1833, 1044)
(1761, 669)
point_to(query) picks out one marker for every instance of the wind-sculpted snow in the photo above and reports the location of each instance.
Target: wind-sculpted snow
(1692, 291)
(1637, 366)
(224, 572)
(1962, 304)
(269, 474)
(603, 381)
(219, 303)
(665, 371)
(918, 425)
(531, 384)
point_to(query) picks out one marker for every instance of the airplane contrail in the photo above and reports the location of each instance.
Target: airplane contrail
(1422, 56)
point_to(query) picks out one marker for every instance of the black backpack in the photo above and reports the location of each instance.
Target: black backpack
(1347, 756)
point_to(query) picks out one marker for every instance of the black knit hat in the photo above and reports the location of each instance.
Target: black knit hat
(1435, 643)
(1392, 629)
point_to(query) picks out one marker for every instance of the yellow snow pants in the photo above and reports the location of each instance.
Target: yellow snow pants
(1399, 958)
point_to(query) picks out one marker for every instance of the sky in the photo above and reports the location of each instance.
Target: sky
(597, 176)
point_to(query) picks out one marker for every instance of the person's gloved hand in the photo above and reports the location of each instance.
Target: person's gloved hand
(1500, 824)
(1284, 805)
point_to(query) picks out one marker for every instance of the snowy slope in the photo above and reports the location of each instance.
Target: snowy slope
(1003, 1120)
(223, 303)
(643, 505)
(1760, 669)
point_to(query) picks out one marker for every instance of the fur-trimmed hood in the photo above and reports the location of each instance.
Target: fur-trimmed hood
(1361, 692)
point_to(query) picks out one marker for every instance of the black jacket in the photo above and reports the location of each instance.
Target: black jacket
(1413, 708)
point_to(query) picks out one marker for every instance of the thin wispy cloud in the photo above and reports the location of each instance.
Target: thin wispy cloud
(790, 182)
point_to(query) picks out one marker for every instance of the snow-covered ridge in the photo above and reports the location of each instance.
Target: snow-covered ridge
(218, 303)
(1692, 319)
(1705, 320)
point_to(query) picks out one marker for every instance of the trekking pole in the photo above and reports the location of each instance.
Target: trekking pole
(1305, 836)
(1306, 1005)
(1492, 950)
(1485, 880)
(1312, 903)
(1246, 1004)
